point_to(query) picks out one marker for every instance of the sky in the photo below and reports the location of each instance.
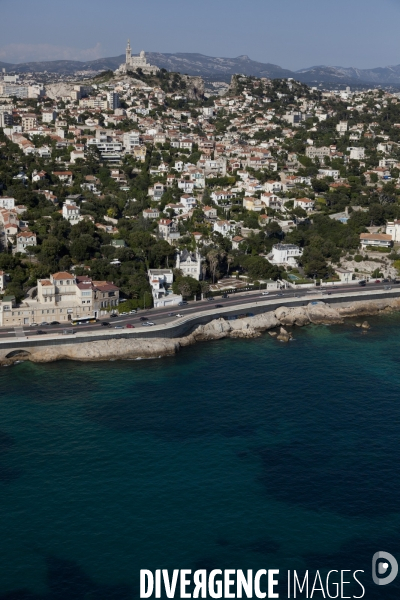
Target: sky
(289, 33)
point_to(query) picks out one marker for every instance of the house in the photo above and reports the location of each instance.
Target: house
(2, 281)
(189, 263)
(161, 288)
(253, 204)
(189, 202)
(272, 200)
(71, 212)
(274, 186)
(223, 227)
(304, 203)
(157, 191)
(210, 212)
(64, 176)
(25, 239)
(238, 239)
(186, 185)
(38, 175)
(151, 213)
(285, 254)
(368, 240)
(168, 229)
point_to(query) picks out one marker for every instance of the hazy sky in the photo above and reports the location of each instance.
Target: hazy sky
(290, 33)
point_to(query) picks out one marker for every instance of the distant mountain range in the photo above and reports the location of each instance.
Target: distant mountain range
(221, 68)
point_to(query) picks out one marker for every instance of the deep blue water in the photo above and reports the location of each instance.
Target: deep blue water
(232, 454)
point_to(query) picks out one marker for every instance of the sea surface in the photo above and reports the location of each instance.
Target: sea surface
(242, 454)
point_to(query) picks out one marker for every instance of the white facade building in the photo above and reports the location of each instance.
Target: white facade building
(189, 263)
(285, 254)
(71, 212)
(161, 287)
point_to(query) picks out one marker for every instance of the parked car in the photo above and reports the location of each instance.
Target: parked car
(54, 323)
(182, 303)
(130, 326)
(210, 299)
(132, 312)
(388, 287)
(218, 306)
(377, 280)
(34, 325)
(224, 296)
(124, 313)
(43, 323)
(280, 294)
(264, 293)
(105, 324)
(113, 315)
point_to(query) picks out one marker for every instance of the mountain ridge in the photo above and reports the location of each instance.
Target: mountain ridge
(220, 67)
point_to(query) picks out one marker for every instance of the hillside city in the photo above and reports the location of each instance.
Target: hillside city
(142, 187)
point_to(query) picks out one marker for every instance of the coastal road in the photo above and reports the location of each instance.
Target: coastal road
(160, 316)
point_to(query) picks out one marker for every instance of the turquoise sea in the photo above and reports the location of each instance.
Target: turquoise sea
(233, 454)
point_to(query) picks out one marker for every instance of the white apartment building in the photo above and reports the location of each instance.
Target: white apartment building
(48, 116)
(131, 140)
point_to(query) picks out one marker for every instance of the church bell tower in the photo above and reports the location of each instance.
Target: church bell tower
(128, 53)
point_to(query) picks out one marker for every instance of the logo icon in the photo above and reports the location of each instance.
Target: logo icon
(385, 564)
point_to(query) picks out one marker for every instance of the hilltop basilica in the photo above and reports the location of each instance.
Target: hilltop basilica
(136, 62)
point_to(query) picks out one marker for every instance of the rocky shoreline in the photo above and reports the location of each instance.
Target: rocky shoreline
(275, 322)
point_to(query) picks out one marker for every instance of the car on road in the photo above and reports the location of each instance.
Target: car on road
(123, 313)
(179, 315)
(144, 318)
(172, 314)
(264, 293)
(105, 324)
(119, 327)
(219, 306)
(388, 287)
(132, 312)
(54, 323)
(148, 323)
(113, 315)
(40, 332)
(377, 280)
(280, 294)
(130, 326)
(183, 303)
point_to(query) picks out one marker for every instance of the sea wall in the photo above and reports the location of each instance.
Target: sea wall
(136, 348)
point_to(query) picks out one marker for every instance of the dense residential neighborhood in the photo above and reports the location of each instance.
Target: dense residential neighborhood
(141, 187)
